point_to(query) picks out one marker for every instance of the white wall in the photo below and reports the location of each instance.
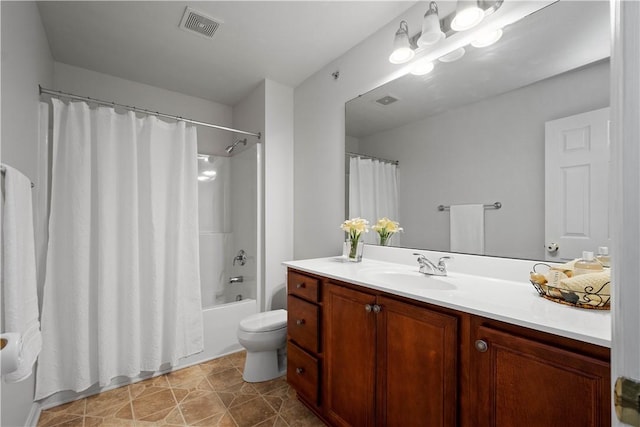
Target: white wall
(278, 185)
(26, 62)
(249, 115)
(80, 81)
(439, 161)
(269, 110)
(319, 191)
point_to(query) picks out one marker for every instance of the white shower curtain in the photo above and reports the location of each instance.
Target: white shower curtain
(373, 192)
(122, 291)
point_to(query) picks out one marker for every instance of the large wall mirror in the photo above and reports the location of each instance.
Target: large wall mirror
(473, 132)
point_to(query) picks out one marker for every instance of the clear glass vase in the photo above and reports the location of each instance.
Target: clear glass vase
(352, 250)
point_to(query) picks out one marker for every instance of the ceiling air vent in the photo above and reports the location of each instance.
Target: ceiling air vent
(386, 100)
(195, 21)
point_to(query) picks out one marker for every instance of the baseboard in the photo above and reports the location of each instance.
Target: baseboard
(34, 415)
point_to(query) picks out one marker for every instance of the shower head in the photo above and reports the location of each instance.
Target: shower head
(232, 147)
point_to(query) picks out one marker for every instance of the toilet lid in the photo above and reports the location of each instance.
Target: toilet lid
(264, 322)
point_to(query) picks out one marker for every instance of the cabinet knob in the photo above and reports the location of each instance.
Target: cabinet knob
(300, 322)
(300, 285)
(377, 308)
(481, 346)
(368, 308)
(299, 371)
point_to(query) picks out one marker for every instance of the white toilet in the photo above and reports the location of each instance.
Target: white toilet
(264, 336)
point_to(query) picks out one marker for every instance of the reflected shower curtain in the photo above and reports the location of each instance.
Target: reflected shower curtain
(373, 192)
(122, 290)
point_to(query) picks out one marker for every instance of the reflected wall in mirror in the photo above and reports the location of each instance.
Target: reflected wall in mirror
(473, 131)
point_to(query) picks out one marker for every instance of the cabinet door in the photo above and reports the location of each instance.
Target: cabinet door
(349, 356)
(417, 366)
(521, 382)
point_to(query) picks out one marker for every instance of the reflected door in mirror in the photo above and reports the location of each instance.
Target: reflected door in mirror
(577, 184)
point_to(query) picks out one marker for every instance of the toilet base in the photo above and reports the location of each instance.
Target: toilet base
(264, 366)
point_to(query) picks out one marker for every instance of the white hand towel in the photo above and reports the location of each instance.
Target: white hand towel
(19, 285)
(467, 229)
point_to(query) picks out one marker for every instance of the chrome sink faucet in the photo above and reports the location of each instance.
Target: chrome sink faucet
(429, 268)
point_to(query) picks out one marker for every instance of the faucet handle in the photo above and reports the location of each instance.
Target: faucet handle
(442, 262)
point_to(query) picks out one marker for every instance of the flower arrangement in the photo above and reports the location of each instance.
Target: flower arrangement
(386, 228)
(354, 227)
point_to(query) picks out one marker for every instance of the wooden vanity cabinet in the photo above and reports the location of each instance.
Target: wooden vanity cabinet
(387, 362)
(365, 358)
(304, 336)
(526, 378)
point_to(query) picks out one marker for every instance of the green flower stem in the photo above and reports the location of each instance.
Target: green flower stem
(385, 236)
(354, 237)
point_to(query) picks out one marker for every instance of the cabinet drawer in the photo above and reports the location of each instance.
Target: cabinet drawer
(302, 373)
(303, 286)
(302, 323)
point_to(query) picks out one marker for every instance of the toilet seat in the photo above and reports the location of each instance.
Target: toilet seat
(265, 322)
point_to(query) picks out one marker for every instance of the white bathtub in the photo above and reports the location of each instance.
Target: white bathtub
(220, 326)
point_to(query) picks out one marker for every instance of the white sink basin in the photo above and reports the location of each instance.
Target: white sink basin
(400, 278)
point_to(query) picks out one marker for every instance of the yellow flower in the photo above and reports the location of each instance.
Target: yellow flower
(355, 226)
(386, 228)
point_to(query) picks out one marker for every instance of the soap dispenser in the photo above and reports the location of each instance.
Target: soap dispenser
(588, 264)
(603, 256)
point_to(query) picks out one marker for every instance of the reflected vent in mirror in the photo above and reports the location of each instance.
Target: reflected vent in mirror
(195, 21)
(386, 100)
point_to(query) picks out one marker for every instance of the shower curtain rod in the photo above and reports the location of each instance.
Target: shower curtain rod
(61, 94)
(364, 156)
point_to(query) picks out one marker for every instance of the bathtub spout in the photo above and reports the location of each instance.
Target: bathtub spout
(236, 279)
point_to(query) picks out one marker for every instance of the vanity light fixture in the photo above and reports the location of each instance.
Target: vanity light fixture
(487, 38)
(431, 28)
(421, 67)
(453, 55)
(468, 15)
(402, 51)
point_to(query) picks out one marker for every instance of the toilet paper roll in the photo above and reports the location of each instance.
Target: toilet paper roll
(10, 352)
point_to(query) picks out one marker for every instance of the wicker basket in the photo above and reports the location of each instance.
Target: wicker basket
(591, 298)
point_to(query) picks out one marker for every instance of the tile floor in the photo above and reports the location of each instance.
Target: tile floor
(210, 394)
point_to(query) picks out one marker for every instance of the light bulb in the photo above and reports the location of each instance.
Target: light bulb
(210, 173)
(431, 31)
(487, 38)
(402, 51)
(401, 55)
(467, 16)
(421, 67)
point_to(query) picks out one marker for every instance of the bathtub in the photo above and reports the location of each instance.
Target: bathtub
(220, 323)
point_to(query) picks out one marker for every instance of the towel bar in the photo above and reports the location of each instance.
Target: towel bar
(496, 205)
(4, 170)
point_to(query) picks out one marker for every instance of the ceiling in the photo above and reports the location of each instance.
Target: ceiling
(285, 41)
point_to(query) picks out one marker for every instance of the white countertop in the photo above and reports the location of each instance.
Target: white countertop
(510, 301)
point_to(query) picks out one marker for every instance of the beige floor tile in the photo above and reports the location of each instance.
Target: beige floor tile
(252, 412)
(197, 409)
(50, 419)
(107, 403)
(76, 407)
(267, 423)
(148, 405)
(224, 380)
(211, 394)
(280, 422)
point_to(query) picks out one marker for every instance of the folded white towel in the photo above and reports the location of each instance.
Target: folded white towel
(19, 285)
(467, 229)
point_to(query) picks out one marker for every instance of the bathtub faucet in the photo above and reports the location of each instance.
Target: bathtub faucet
(241, 257)
(236, 279)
